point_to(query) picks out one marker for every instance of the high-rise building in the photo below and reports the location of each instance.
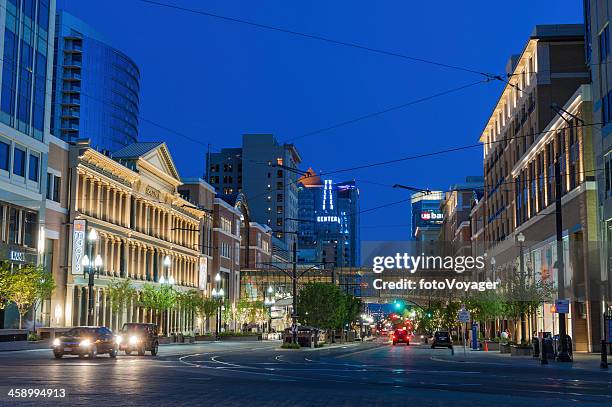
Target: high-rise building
(536, 131)
(329, 221)
(266, 172)
(426, 215)
(95, 88)
(27, 49)
(597, 20)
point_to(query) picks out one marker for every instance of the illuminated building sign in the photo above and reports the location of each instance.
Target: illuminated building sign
(431, 215)
(203, 273)
(78, 245)
(17, 256)
(328, 219)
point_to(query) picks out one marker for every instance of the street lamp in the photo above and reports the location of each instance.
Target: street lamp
(92, 265)
(217, 294)
(521, 240)
(269, 302)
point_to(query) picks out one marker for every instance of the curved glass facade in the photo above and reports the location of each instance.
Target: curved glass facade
(95, 88)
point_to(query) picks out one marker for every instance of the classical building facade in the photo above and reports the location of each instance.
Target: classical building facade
(145, 230)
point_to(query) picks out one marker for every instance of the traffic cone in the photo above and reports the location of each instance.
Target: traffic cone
(486, 347)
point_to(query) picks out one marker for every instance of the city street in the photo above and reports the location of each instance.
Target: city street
(374, 373)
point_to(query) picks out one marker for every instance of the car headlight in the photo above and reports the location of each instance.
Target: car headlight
(85, 343)
(133, 339)
(118, 339)
(56, 342)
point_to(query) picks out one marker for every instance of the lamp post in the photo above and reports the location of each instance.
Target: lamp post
(217, 294)
(521, 240)
(269, 302)
(91, 265)
(166, 279)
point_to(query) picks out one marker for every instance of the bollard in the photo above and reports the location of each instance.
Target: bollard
(604, 355)
(544, 350)
(452, 351)
(486, 346)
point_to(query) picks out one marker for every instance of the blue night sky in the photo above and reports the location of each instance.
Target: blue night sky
(214, 80)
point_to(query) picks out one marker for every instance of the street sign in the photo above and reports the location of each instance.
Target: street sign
(463, 315)
(562, 306)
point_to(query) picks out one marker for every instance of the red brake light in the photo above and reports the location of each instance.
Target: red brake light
(393, 336)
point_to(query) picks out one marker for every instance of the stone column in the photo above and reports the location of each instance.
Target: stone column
(90, 197)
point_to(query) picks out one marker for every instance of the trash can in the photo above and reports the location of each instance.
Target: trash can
(557, 345)
(547, 346)
(535, 342)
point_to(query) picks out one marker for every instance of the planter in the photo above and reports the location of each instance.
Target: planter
(491, 345)
(504, 348)
(188, 339)
(244, 338)
(163, 340)
(201, 338)
(521, 350)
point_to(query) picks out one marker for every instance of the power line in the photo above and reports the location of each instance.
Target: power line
(387, 110)
(321, 38)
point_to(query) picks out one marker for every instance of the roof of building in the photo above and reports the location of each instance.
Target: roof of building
(136, 150)
(310, 179)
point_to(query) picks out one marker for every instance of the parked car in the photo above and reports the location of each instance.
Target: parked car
(400, 336)
(136, 337)
(441, 338)
(86, 341)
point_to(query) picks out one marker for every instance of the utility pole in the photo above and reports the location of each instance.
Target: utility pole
(294, 289)
(563, 355)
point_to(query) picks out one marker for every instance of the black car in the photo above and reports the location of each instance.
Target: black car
(136, 337)
(86, 341)
(400, 336)
(441, 338)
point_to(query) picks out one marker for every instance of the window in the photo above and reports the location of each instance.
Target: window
(33, 167)
(5, 148)
(237, 253)
(13, 230)
(608, 175)
(279, 198)
(228, 168)
(226, 225)
(279, 174)
(225, 250)
(30, 224)
(19, 157)
(54, 184)
(279, 210)
(279, 185)
(279, 222)
(604, 44)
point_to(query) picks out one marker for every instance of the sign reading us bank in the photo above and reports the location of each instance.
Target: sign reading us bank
(79, 227)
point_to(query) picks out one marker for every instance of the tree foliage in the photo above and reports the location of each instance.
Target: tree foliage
(322, 305)
(120, 292)
(24, 287)
(159, 298)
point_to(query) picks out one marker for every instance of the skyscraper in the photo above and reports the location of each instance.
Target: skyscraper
(266, 172)
(329, 230)
(95, 88)
(24, 129)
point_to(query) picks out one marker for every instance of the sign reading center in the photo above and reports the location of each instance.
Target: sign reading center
(78, 245)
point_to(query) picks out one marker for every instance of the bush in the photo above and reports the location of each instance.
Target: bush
(225, 334)
(289, 345)
(320, 344)
(33, 336)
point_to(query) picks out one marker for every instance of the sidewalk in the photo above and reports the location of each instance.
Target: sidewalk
(12, 346)
(585, 361)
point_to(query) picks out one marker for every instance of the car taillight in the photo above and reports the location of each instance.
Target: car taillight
(394, 337)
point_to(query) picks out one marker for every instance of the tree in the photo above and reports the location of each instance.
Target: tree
(120, 293)
(522, 295)
(207, 308)
(485, 306)
(352, 307)
(25, 287)
(158, 299)
(321, 305)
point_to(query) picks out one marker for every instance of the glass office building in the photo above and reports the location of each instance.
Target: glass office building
(24, 66)
(329, 227)
(95, 88)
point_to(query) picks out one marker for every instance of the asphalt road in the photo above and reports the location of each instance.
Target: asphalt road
(261, 374)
